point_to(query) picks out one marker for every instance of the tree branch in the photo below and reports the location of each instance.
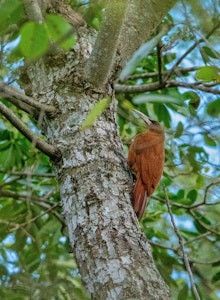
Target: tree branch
(68, 13)
(164, 73)
(149, 87)
(203, 225)
(159, 62)
(18, 226)
(185, 258)
(141, 20)
(27, 174)
(36, 201)
(138, 88)
(23, 106)
(17, 97)
(194, 86)
(100, 63)
(33, 11)
(35, 139)
(190, 50)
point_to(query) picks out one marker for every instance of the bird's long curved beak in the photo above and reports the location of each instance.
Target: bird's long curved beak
(144, 117)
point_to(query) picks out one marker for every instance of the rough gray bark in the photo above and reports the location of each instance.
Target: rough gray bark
(113, 256)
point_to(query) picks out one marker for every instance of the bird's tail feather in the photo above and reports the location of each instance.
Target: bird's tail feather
(139, 198)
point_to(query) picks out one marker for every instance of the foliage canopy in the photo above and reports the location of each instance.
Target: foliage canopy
(177, 83)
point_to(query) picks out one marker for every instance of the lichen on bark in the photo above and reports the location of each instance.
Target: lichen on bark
(112, 254)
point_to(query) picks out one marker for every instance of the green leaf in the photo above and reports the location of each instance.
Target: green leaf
(34, 40)
(209, 141)
(60, 31)
(5, 135)
(207, 74)
(96, 111)
(180, 194)
(193, 97)
(202, 218)
(7, 160)
(210, 52)
(200, 181)
(141, 53)
(192, 195)
(183, 294)
(179, 130)
(5, 145)
(213, 108)
(140, 99)
(163, 114)
(216, 277)
(10, 13)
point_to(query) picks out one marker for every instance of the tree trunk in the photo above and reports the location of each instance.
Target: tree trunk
(112, 254)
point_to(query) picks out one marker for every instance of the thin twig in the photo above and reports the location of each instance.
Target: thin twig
(159, 61)
(43, 146)
(201, 236)
(149, 87)
(207, 190)
(11, 92)
(35, 200)
(195, 86)
(26, 174)
(202, 224)
(155, 74)
(34, 219)
(138, 88)
(34, 112)
(190, 50)
(162, 246)
(185, 258)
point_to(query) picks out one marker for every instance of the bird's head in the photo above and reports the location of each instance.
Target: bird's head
(151, 124)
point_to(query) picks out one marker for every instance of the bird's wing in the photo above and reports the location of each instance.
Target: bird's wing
(151, 162)
(139, 198)
(132, 159)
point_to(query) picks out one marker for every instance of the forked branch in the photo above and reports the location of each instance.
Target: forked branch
(17, 97)
(100, 64)
(35, 139)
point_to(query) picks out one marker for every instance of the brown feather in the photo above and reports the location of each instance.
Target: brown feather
(146, 159)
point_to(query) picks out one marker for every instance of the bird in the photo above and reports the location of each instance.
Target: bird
(146, 160)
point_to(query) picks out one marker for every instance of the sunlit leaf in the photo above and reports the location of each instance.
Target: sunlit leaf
(60, 31)
(142, 52)
(11, 12)
(213, 108)
(34, 40)
(200, 181)
(95, 112)
(207, 74)
(144, 98)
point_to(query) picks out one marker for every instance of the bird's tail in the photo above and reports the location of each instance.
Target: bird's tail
(139, 198)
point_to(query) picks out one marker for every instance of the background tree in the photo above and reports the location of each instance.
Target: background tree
(69, 89)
